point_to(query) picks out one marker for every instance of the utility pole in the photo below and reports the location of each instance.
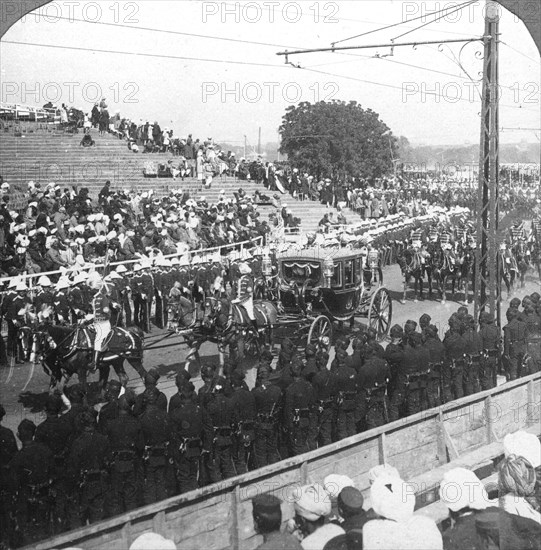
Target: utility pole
(259, 142)
(487, 267)
(245, 146)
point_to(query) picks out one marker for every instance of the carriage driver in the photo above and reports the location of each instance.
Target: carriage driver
(101, 306)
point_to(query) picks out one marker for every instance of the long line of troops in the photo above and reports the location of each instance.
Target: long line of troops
(81, 466)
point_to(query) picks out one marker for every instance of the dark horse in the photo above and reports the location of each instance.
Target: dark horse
(65, 351)
(522, 255)
(411, 262)
(227, 317)
(445, 268)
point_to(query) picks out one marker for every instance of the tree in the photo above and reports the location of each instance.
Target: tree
(337, 139)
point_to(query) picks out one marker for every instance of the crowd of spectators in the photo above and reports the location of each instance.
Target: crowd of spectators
(61, 228)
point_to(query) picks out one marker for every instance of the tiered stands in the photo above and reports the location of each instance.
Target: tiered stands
(43, 153)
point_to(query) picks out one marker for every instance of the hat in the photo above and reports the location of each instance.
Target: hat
(392, 498)
(121, 269)
(461, 488)
(523, 444)
(334, 484)
(21, 286)
(266, 504)
(152, 541)
(62, 283)
(313, 502)
(350, 499)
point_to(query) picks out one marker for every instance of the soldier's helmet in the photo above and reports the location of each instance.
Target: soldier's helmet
(469, 321)
(511, 314)
(53, 404)
(514, 303)
(207, 373)
(486, 317)
(424, 320)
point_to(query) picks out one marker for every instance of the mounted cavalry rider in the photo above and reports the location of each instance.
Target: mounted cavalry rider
(101, 306)
(517, 232)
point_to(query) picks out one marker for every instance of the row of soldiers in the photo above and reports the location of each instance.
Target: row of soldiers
(81, 466)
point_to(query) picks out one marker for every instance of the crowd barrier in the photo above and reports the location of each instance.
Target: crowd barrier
(220, 516)
(258, 241)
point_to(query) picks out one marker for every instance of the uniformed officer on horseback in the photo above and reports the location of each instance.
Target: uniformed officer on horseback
(101, 305)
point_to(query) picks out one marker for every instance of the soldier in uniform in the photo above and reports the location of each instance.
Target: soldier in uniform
(44, 296)
(347, 401)
(372, 380)
(473, 353)
(127, 443)
(244, 417)
(101, 305)
(394, 355)
(79, 299)
(147, 285)
(514, 344)
(268, 407)
(139, 298)
(190, 438)
(14, 320)
(30, 472)
(8, 449)
(151, 380)
(436, 351)
(155, 428)
(76, 396)
(56, 433)
(298, 404)
(125, 316)
(158, 294)
(86, 471)
(416, 360)
(453, 370)
(61, 302)
(323, 427)
(221, 416)
(490, 338)
(109, 411)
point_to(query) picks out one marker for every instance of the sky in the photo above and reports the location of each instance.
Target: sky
(211, 69)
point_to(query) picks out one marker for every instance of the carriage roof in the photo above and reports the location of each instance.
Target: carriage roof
(320, 254)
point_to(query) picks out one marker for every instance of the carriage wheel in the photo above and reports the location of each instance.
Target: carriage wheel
(380, 312)
(321, 327)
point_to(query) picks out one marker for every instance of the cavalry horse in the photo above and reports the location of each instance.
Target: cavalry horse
(445, 268)
(466, 269)
(65, 351)
(226, 317)
(411, 262)
(522, 254)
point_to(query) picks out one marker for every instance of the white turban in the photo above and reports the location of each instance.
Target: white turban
(382, 470)
(313, 502)
(334, 484)
(461, 488)
(523, 444)
(392, 498)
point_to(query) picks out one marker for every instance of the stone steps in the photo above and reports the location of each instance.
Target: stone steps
(55, 156)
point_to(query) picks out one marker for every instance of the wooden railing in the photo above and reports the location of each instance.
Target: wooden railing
(220, 516)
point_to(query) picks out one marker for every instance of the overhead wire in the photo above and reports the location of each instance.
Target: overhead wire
(457, 9)
(465, 4)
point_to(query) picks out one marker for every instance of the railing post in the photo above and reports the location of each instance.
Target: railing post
(489, 420)
(382, 449)
(442, 448)
(235, 502)
(303, 473)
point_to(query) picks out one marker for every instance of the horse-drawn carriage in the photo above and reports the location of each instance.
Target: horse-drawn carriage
(300, 295)
(317, 287)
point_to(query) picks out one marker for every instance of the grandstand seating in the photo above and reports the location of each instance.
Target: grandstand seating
(43, 153)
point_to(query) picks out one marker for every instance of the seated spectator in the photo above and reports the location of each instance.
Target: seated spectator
(311, 510)
(267, 516)
(350, 508)
(465, 496)
(87, 141)
(517, 488)
(394, 500)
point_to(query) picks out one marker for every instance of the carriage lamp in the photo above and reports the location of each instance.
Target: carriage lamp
(328, 270)
(266, 266)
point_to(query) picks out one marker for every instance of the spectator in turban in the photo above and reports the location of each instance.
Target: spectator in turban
(312, 507)
(517, 487)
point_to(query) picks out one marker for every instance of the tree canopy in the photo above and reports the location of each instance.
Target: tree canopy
(337, 139)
